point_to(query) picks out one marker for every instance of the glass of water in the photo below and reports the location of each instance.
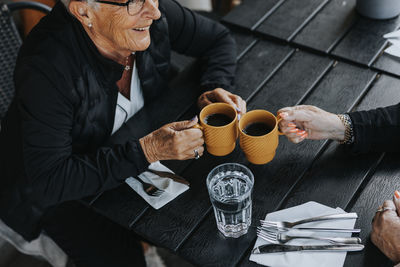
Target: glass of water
(229, 186)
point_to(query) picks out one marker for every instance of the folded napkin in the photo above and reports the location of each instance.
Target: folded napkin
(305, 259)
(394, 39)
(171, 188)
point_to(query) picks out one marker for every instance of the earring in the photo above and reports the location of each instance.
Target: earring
(90, 25)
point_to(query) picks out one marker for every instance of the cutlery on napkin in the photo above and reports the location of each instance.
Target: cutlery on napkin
(163, 178)
(309, 258)
(271, 248)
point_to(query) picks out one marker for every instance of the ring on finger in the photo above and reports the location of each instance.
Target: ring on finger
(383, 209)
(196, 154)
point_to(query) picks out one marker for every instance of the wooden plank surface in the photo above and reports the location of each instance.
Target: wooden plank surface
(338, 174)
(305, 70)
(295, 160)
(326, 29)
(388, 64)
(259, 63)
(251, 12)
(289, 18)
(244, 41)
(364, 41)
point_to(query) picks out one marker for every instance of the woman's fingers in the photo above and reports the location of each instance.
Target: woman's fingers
(240, 103)
(396, 200)
(204, 100)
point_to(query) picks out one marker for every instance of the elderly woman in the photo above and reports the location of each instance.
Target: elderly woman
(373, 130)
(84, 70)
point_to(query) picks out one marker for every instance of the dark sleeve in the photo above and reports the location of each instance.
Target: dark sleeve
(376, 130)
(194, 35)
(55, 172)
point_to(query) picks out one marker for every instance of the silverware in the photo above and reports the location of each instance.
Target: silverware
(150, 189)
(283, 224)
(316, 229)
(173, 176)
(272, 248)
(281, 238)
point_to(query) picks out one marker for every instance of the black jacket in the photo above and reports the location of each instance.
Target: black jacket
(53, 138)
(376, 130)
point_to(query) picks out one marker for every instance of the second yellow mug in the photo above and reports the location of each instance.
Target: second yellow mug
(259, 136)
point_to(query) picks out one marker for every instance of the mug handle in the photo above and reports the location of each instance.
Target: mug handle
(279, 119)
(198, 126)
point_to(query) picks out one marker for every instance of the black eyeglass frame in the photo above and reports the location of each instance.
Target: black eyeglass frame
(123, 4)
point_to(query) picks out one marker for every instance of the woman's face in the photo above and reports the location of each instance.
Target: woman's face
(122, 31)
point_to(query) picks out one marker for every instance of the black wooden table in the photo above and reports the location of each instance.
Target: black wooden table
(290, 52)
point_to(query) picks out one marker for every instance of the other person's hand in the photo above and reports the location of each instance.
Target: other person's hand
(221, 95)
(301, 122)
(174, 141)
(386, 229)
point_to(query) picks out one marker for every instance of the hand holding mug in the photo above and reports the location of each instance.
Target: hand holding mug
(222, 96)
(174, 141)
(301, 122)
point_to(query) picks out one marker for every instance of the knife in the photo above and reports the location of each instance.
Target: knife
(272, 248)
(317, 229)
(170, 175)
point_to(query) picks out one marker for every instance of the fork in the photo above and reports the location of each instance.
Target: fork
(283, 224)
(278, 237)
(150, 189)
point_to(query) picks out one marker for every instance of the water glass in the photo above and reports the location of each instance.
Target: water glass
(229, 186)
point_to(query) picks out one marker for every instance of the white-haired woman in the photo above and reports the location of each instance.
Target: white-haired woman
(84, 70)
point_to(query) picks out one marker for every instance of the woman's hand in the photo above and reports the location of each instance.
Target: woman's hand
(386, 229)
(301, 122)
(174, 141)
(221, 95)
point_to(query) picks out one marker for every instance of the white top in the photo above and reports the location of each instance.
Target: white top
(127, 108)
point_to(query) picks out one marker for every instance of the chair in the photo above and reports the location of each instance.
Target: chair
(42, 247)
(10, 42)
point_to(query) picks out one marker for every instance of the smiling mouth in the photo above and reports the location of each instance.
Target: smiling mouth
(141, 29)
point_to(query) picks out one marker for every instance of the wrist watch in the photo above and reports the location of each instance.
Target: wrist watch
(348, 133)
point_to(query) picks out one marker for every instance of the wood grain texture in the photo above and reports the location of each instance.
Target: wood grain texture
(274, 180)
(259, 63)
(326, 29)
(289, 18)
(364, 41)
(121, 205)
(388, 63)
(295, 160)
(244, 40)
(250, 13)
(337, 175)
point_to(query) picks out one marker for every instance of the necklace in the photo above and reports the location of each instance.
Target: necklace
(127, 66)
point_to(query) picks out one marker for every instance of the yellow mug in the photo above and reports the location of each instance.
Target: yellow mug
(220, 140)
(259, 148)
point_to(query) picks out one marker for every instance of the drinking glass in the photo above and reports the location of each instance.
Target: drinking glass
(229, 186)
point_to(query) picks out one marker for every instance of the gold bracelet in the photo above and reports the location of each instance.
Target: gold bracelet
(348, 133)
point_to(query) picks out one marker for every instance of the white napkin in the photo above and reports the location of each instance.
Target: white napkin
(172, 189)
(305, 259)
(394, 39)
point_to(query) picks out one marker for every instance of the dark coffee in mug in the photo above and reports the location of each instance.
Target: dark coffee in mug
(257, 129)
(218, 119)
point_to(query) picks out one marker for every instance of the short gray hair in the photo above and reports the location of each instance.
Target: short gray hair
(91, 3)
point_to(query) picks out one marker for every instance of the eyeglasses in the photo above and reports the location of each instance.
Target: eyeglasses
(133, 6)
